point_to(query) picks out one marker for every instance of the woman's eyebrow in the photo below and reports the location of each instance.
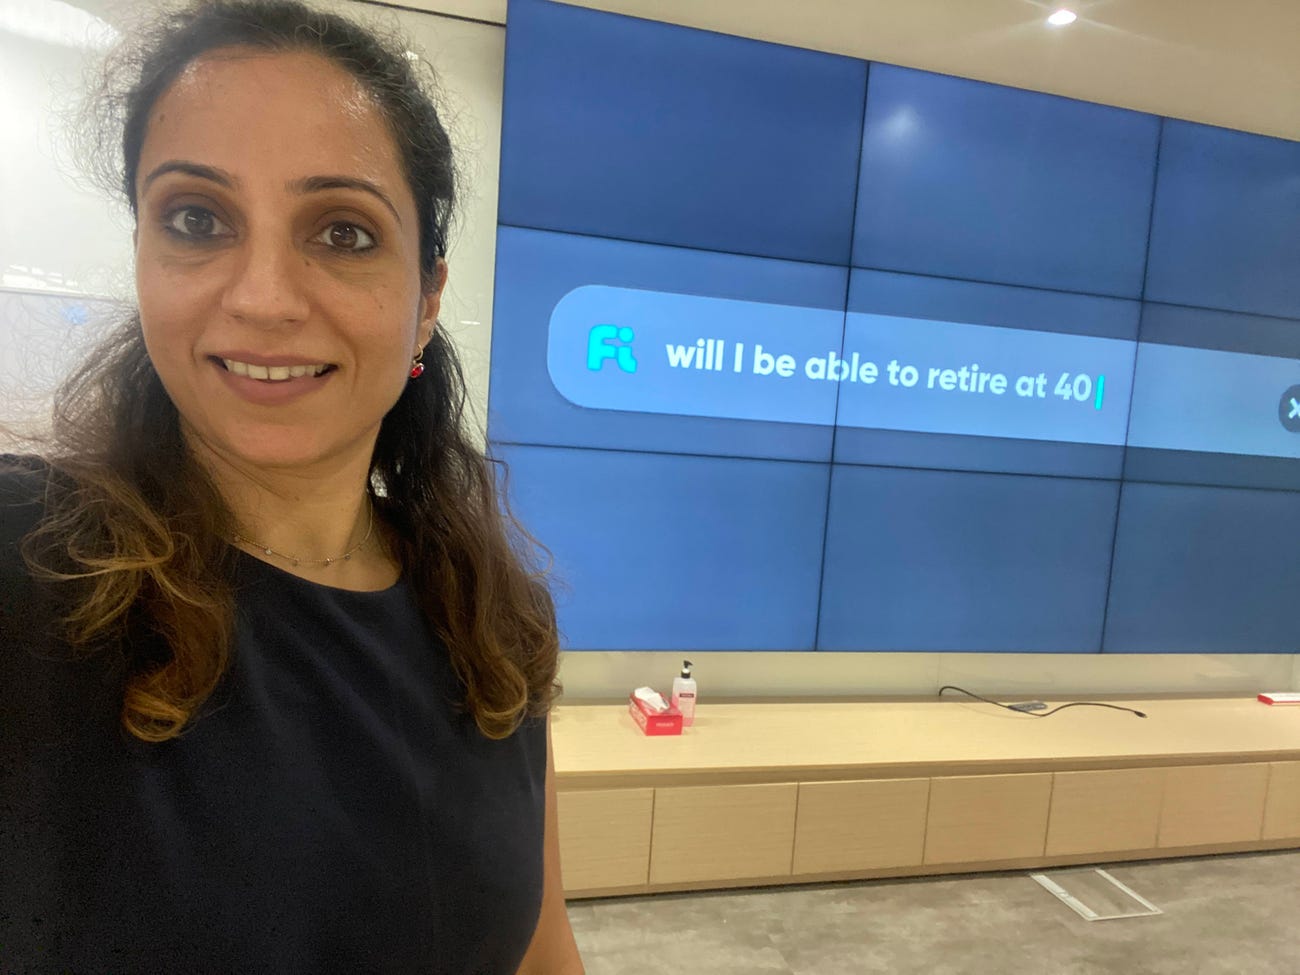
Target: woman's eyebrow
(219, 176)
(314, 184)
(309, 184)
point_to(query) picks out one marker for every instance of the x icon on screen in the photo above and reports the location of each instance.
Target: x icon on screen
(1288, 409)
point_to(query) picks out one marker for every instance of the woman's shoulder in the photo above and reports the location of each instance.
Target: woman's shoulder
(24, 488)
(21, 465)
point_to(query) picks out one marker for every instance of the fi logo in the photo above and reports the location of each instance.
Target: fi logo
(610, 342)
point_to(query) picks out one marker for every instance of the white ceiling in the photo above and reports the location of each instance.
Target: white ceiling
(1234, 63)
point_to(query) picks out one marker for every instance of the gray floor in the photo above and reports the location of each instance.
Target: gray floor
(1229, 914)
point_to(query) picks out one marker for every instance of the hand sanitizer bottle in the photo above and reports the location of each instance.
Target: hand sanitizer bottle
(684, 694)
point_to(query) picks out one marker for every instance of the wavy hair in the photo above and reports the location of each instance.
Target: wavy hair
(135, 523)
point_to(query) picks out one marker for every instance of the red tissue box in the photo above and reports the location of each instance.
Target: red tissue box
(654, 722)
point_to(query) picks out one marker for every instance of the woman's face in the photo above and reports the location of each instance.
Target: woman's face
(277, 260)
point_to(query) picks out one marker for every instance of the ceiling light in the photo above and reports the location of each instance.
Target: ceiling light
(1062, 17)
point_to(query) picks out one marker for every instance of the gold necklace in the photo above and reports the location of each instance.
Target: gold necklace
(296, 560)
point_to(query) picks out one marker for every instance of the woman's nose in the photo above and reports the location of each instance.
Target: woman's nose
(267, 284)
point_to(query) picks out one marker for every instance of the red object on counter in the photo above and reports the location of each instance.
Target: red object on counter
(1280, 697)
(653, 722)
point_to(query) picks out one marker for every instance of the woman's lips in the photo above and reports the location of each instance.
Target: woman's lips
(268, 391)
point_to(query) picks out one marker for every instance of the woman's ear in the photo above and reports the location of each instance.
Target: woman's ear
(431, 303)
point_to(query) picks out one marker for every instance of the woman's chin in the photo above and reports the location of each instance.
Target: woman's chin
(285, 450)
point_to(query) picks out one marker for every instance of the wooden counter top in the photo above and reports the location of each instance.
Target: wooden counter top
(599, 745)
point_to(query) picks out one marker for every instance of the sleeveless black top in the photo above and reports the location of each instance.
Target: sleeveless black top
(332, 810)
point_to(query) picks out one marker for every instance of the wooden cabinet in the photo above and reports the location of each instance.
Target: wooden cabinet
(987, 817)
(723, 832)
(1282, 808)
(1207, 804)
(1104, 812)
(605, 837)
(867, 825)
(778, 792)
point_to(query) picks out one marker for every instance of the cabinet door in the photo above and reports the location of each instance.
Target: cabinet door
(1213, 804)
(604, 837)
(867, 825)
(1282, 808)
(1103, 812)
(722, 832)
(987, 817)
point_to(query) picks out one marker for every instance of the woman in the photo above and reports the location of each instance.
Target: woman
(273, 678)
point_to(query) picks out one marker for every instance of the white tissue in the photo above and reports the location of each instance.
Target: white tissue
(651, 697)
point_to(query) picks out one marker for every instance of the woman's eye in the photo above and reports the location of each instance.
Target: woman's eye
(196, 223)
(346, 237)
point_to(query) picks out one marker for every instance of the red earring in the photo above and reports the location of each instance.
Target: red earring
(417, 367)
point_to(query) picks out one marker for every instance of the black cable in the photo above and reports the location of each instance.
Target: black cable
(1039, 714)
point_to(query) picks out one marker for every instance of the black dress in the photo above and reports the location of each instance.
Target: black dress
(332, 810)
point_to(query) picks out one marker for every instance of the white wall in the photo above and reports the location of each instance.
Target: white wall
(47, 222)
(469, 59)
(58, 236)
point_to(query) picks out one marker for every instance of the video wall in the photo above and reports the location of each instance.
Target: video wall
(796, 352)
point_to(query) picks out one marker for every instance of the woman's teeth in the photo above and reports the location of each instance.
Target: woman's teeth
(273, 373)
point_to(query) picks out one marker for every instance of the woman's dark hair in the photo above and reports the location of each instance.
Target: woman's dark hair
(141, 528)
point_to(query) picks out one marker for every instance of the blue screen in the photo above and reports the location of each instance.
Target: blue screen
(1226, 228)
(672, 552)
(979, 182)
(615, 127)
(793, 352)
(1204, 570)
(542, 268)
(1033, 311)
(909, 568)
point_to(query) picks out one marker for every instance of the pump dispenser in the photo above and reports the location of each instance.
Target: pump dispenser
(684, 691)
